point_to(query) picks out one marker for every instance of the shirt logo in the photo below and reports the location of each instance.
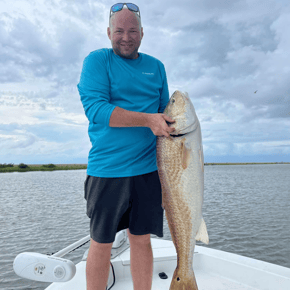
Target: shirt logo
(150, 74)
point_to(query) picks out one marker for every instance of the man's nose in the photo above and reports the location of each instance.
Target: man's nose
(126, 36)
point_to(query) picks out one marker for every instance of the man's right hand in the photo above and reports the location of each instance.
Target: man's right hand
(157, 124)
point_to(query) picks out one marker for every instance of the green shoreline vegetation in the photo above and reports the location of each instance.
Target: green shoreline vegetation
(38, 167)
(51, 167)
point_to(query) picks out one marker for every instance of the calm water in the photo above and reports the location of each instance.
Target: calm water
(246, 209)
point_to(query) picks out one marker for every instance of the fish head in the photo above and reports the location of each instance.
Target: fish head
(181, 109)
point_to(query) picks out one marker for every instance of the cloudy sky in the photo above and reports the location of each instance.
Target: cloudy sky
(220, 52)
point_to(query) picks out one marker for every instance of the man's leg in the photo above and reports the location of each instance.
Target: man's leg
(98, 265)
(141, 259)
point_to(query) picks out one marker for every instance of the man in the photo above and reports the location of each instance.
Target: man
(124, 94)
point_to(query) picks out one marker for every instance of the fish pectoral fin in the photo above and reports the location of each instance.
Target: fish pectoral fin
(185, 155)
(202, 234)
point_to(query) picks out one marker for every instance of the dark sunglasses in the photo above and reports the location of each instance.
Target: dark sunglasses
(119, 6)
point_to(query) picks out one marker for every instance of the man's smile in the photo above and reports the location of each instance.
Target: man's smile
(127, 45)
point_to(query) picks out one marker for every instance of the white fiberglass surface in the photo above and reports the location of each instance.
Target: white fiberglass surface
(214, 270)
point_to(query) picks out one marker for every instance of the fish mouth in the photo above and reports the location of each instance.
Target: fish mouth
(176, 134)
(179, 135)
(184, 131)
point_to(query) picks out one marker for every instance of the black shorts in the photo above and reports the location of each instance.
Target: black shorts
(114, 204)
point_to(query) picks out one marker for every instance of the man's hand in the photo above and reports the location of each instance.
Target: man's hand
(157, 124)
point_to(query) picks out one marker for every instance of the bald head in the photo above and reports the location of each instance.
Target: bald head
(125, 33)
(111, 20)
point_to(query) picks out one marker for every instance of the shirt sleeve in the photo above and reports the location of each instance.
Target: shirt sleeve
(164, 94)
(94, 89)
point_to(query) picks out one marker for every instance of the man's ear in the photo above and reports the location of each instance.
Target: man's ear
(142, 33)
(109, 32)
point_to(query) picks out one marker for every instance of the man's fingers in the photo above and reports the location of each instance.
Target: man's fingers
(169, 129)
(168, 118)
(162, 126)
(165, 134)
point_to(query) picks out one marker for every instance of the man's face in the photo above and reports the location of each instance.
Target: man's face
(125, 35)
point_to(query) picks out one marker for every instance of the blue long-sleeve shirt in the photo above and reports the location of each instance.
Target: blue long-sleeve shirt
(108, 80)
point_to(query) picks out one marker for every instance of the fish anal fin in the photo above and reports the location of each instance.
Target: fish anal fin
(202, 234)
(185, 154)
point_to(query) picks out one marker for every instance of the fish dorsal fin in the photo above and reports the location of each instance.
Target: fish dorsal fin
(202, 234)
(185, 154)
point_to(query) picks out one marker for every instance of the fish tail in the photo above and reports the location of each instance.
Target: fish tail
(183, 281)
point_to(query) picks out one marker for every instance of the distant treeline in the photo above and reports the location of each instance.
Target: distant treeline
(6, 165)
(21, 165)
(45, 167)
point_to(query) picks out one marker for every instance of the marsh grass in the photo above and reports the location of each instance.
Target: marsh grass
(43, 167)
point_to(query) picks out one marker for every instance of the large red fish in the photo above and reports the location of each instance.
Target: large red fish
(181, 171)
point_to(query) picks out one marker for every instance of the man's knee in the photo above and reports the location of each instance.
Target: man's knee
(100, 247)
(139, 239)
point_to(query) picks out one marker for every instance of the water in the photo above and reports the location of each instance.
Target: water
(246, 209)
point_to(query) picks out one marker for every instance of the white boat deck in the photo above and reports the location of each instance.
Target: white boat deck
(214, 270)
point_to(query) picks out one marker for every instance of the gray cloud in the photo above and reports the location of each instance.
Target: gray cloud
(32, 49)
(210, 41)
(55, 132)
(87, 10)
(10, 127)
(28, 141)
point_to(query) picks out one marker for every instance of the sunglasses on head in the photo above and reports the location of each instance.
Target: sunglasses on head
(119, 6)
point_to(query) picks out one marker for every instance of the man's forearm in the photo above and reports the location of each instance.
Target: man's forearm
(123, 118)
(156, 122)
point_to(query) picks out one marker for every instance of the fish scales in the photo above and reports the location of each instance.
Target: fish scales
(181, 172)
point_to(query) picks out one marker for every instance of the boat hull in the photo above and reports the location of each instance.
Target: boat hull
(214, 270)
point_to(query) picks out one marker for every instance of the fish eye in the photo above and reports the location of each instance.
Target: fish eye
(173, 101)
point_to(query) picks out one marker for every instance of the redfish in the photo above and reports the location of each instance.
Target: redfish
(181, 170)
